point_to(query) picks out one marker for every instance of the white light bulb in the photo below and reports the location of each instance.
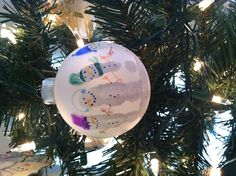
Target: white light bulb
(7, 33)
(215, 172)
(204, 4)
(80, 43)
(25, 147)
(197, 65)
(155, 166)
(4, 32)
(219, 100)
(21, 116)
(88, 140)
(52, 17)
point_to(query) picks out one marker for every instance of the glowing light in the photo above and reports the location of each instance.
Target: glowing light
(21, 116)
(119, 141)
(8, 33)
(155, 166)
(88, 140)
(80, 43)
(52, 17)
(197, 65)
(219, 100)
(122, 172)
(215, 172)
(25, 147)
(204, 4)
(106, 140)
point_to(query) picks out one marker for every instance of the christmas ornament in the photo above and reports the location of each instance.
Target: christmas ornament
(5, 140)
(21, 164)
(102, 89)
(71, 13)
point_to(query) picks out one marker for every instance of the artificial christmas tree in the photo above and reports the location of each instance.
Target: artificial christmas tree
(169, 37)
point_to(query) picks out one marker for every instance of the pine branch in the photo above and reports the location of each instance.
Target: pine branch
(167, 36)
(165, 45)
(24, 66)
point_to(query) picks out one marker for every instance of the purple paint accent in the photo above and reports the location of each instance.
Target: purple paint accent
(80, 121)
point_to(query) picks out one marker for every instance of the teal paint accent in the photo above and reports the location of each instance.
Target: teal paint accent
(99, 68)
(81, 76)
(94, 60)
(97, 65)
(75, 79)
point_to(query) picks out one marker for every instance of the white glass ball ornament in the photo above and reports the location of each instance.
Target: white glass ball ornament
(102, 89)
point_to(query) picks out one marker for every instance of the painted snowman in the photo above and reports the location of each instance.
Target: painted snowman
(105, 96)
